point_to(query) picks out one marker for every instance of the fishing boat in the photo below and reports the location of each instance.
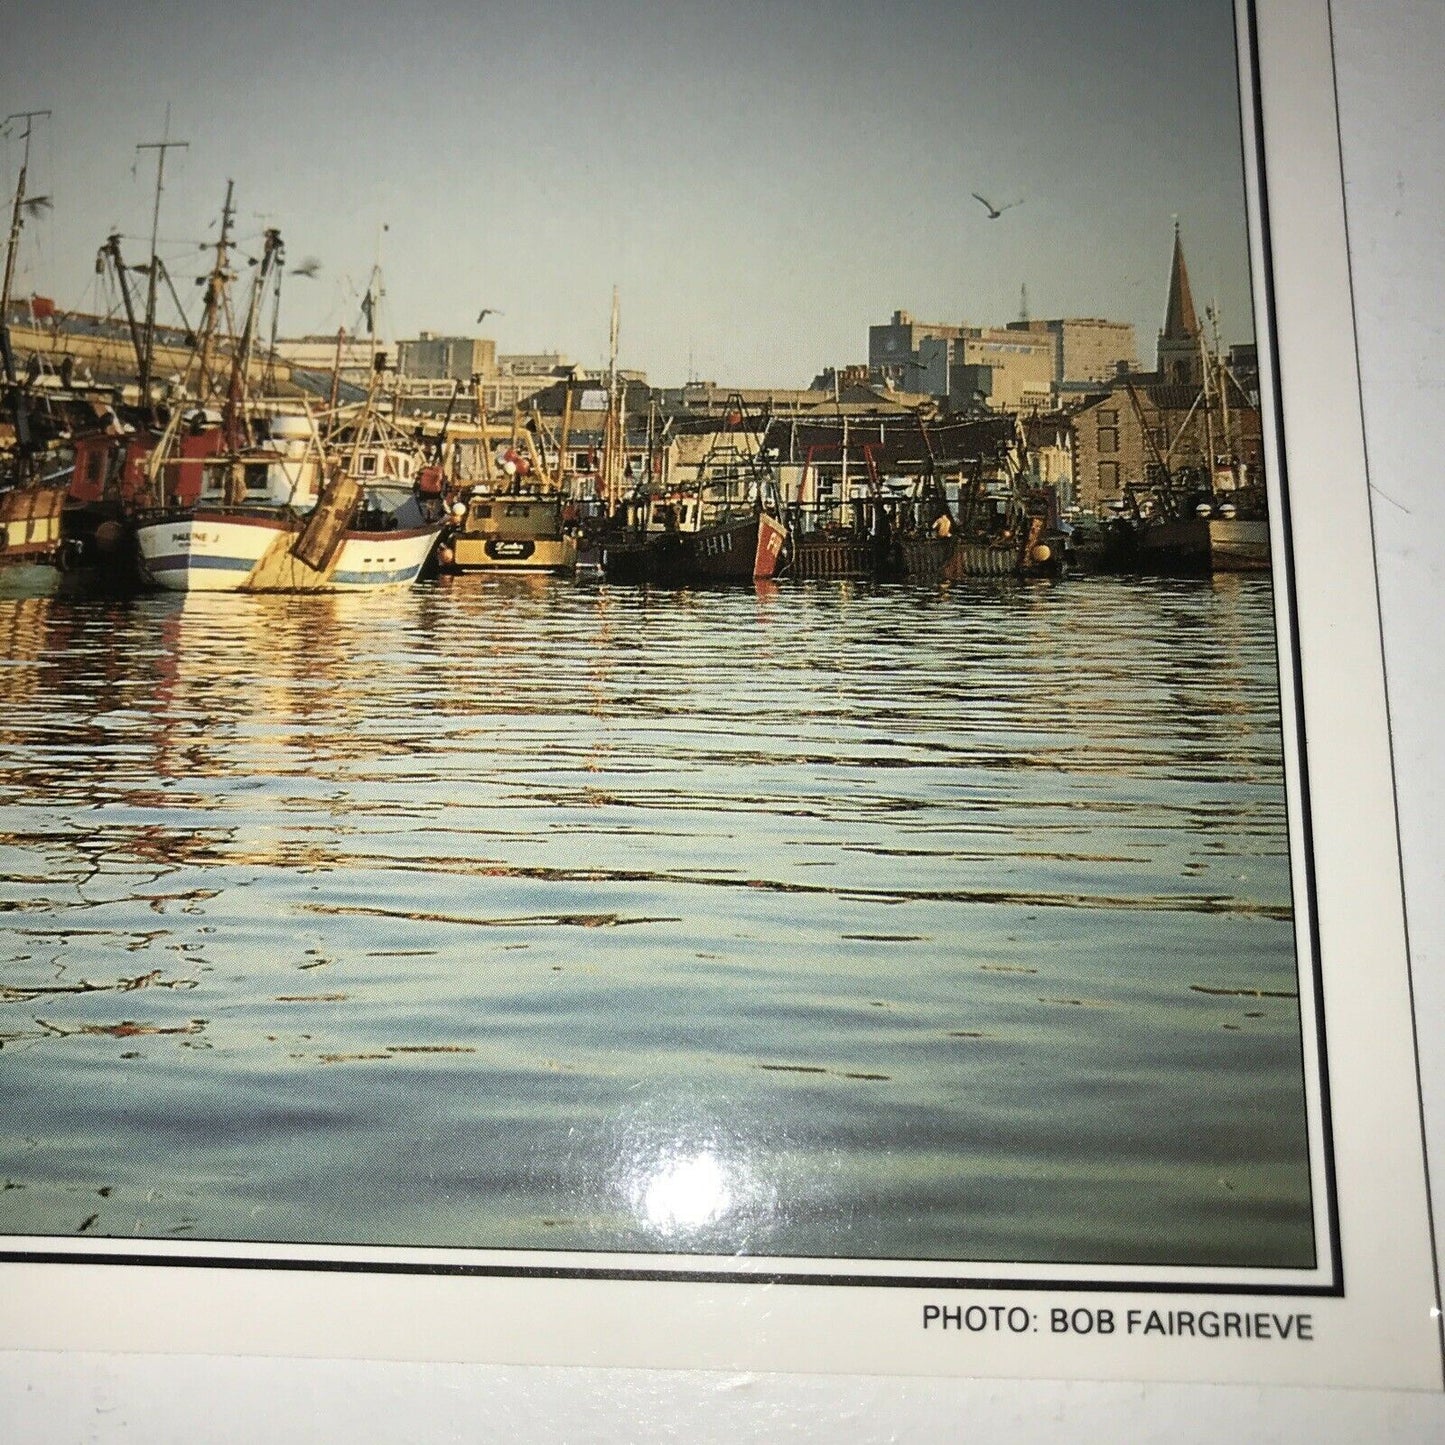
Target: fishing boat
(998, 524)
(1184, 526)
(30, 518)
(1210, 515)
(725, 523)
(512, 529)
(286, 515)
(1239, 532)
(517, 518)
(725, 528)
(277, 509)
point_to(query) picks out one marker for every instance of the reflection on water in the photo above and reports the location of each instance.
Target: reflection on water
(819, 920)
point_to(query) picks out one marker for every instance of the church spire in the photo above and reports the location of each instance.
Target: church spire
(1179, 356)
(1180, 321)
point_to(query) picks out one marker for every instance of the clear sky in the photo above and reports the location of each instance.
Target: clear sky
(762, 181)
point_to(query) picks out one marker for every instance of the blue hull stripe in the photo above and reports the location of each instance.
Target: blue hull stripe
(375, 579)
(244, 566)
(182, 562)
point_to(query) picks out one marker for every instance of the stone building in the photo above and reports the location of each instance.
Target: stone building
(1143, 423)
(1177, 417)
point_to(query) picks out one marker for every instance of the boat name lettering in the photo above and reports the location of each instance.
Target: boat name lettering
(512, 550)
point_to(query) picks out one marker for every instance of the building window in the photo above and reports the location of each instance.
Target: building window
(1109, 416)
(1108, 479)
(1108, 439)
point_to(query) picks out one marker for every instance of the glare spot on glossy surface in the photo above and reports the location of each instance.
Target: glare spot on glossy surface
(685, 1192)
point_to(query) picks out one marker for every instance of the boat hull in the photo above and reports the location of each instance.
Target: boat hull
(831, 556)
(952, 559)
(219, 552)
(1201, 545)
(1239, 544)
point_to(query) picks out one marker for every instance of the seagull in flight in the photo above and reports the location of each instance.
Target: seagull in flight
(309, 267)
(994, 212)
(488, 311)
(37, 205)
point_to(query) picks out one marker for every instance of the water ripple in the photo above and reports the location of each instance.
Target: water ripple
(825, 919)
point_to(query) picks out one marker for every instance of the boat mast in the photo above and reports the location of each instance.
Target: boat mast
(111, 251)
(612, 441)
(16, 222)
(1208, 393)
(22, 419)
(370, 304)
(268, 381)
(1221, 381)
(148, 358)
(217, 284)
(334, 396)
(1166, 477)
(566, 433)
(241, 364)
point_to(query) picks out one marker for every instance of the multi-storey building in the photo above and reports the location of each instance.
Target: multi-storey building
(1024, 367)
(893, 349)
(447, 358)
(1002, 369)
(1086, 348)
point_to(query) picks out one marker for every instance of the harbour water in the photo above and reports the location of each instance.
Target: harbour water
(816, 920)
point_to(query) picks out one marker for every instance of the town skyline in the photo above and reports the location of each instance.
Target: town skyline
(760, 188)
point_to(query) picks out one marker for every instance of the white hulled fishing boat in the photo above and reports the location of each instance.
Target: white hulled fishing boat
(280, 516)
(278, 510)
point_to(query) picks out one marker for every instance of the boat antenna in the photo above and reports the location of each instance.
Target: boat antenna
(148, 357)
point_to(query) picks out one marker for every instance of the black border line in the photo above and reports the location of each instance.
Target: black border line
(1333, 1288)
(454, 1269)
(1291, 600)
